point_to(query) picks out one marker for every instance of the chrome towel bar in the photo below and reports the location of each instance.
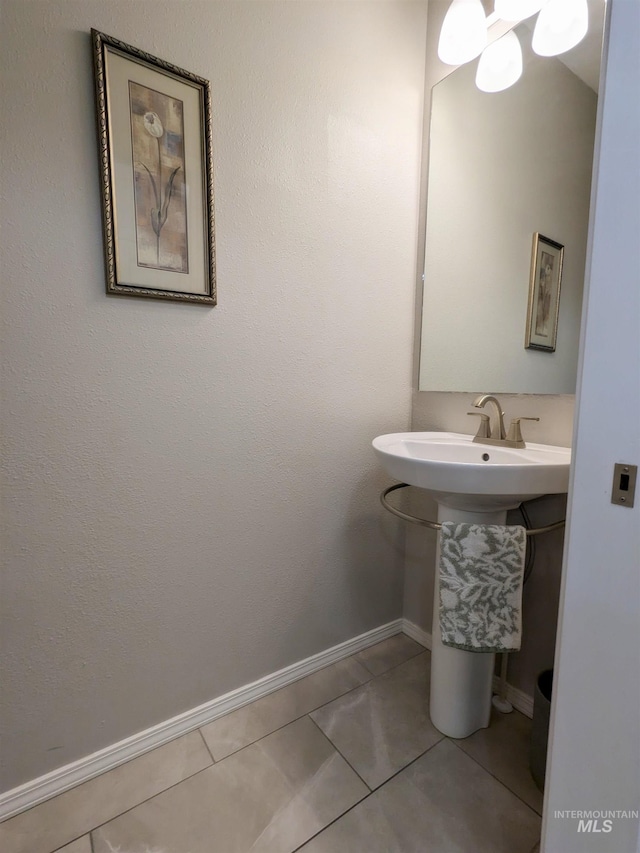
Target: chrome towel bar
(435, 525)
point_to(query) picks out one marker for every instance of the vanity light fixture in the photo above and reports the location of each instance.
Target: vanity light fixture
(464, 32)
(500, 64)
(560, 26)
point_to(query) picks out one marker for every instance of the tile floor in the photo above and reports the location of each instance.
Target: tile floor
(343, 761)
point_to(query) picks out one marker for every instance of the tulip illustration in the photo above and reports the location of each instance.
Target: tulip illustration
(159, 213)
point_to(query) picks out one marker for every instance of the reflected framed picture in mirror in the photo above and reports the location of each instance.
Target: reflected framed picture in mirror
(544, 294)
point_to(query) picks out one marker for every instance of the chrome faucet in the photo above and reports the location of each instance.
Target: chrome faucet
(497, 431)
(497, 434)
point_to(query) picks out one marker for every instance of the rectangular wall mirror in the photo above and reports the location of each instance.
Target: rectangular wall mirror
(503, 167)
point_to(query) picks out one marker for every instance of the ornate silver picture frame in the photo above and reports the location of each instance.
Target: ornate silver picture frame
(544, 294)
(156, 165)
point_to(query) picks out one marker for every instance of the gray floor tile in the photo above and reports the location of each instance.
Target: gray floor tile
(52, 824)
(246, 725)
(442, 803)
(82, 845)
(383, 725)
(389, 653)
(271, 796)
(503, 750)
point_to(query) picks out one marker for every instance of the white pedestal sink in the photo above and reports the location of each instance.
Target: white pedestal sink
(477, 483)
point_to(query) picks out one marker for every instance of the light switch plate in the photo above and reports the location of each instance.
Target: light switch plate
(624, 484)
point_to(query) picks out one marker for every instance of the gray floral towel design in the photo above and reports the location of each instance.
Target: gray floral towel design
(481, 572)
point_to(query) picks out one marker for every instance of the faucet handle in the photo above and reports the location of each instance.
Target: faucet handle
(515, 433)
(484, 430)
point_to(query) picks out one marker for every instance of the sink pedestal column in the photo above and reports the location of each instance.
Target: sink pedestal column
(461, 682)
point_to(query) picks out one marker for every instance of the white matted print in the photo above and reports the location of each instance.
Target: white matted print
(154, 127)
(544, 294)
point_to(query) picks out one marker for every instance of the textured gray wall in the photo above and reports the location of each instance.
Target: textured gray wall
(190, 493)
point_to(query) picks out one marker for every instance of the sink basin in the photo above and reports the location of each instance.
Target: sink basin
(478, 477)
(475, 483)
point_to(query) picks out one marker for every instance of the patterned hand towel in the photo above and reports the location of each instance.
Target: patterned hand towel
(481, 572)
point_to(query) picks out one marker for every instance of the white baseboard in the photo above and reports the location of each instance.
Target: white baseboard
(58, 781)
(520, 700)
(416, 633)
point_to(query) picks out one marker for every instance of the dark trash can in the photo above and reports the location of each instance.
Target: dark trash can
(540, 727)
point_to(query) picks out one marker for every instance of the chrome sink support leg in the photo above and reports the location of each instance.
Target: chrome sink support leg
(461, 682)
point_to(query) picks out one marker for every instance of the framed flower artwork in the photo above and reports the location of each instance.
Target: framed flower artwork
(544, 294)
(154, 137)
